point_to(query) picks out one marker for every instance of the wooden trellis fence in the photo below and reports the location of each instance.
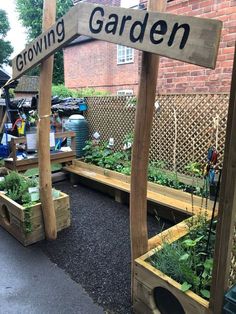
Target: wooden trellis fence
(188, 118)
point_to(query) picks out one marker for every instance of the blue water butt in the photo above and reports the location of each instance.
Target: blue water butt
(79, 125)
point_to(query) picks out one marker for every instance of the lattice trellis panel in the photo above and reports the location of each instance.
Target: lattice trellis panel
(111, 117)
(114, 117)
(194, 124)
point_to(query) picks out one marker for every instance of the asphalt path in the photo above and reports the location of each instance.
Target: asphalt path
(95, 250)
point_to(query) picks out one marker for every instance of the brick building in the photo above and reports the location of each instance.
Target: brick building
(114, 68)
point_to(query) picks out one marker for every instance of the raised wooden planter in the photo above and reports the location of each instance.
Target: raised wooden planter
(174, 199)
(154, 292)
(13, 218)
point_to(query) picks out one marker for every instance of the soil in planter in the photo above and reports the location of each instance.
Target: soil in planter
(95, 250)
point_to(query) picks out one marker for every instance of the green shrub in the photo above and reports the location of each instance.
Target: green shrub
(64, 92)
(16, 187)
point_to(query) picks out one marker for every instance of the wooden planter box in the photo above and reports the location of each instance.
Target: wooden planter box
(14, 219)
(153, 289)
(174, 199)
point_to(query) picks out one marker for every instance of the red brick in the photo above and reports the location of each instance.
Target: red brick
(95, 63)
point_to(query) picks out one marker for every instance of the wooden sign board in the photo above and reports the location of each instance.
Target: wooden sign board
(190, 39)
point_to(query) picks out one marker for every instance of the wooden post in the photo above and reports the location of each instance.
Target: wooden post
(140, 153)
(227, 208)
(45, 85)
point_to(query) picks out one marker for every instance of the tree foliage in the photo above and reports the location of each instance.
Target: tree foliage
(31, 14)
(5, 46)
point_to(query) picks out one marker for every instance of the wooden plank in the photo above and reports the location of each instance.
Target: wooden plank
(106, 172)
(140, 308)
(227, 208)
(44, 111)
(152, 187)
(4, 120)
(151, 277)
(196, 42)
(52, 39)
(190, 39)
(18, 211)
(16, 228)
(22, 139)
(140, 151)
(162, 199)
(24, 164)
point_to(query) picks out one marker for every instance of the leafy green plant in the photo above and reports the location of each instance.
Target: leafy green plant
(64, 92)
(120, 161)
(16, 187)
(27, 217)
(194, 168)
(186, 260)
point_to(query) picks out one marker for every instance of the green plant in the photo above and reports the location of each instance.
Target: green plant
(16, 187)
(120, 161)
(64, 92)
(194, 168)
(27, 217)
(186, 260)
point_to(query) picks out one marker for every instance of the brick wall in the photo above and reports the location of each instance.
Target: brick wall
(93, 64)
(180, 77)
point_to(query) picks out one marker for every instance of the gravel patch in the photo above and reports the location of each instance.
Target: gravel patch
(95, 250)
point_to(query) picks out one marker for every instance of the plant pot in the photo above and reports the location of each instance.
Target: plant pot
(27, 225)
(155, 292)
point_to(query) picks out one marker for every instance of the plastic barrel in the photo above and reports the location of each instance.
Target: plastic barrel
(79, 125)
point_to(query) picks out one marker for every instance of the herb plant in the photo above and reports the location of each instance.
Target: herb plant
(16, 187)
(186, 260)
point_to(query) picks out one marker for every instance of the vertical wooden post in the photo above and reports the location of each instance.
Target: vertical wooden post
(45, 85)
(227, 208)
(140, 152)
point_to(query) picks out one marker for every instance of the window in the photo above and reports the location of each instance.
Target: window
(124, 54)
(125, 92)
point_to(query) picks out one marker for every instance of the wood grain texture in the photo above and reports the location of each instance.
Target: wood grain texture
(227, 208)
(201, 46)
(157, 33)
(179, 195)
(44, 111)
(147, 278)
(12, 218)
(160, 195)
(68, 23)
(140, 151)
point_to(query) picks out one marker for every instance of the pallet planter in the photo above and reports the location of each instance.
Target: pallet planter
(15, 218)
(155, 292)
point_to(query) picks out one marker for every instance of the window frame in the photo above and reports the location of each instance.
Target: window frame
(125, 55)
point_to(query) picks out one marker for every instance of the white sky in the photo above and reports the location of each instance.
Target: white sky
(128, 3)
(16, 35)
